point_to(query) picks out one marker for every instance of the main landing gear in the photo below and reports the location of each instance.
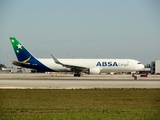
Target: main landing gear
(133, 75)
(77, 75)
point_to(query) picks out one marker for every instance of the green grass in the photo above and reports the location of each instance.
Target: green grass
(79, 104)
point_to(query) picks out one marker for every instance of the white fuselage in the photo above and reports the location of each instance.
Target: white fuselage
(105, 65)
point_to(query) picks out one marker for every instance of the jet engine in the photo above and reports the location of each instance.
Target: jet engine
(94, 71)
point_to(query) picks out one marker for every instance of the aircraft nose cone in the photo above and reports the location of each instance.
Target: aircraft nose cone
(142, 67)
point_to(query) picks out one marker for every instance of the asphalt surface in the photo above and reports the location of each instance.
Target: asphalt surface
(67, 81)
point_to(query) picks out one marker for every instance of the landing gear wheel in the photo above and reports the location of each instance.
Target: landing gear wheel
(135, 77)
(77, 75)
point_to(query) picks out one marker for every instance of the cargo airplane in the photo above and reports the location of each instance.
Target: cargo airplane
(77, 66)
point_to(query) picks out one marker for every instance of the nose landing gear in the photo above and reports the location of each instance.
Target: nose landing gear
(134, 76)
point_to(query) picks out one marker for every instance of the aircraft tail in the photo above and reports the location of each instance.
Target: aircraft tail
(25, 58)
(21, 52)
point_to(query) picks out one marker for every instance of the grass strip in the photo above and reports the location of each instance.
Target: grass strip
(102, 104)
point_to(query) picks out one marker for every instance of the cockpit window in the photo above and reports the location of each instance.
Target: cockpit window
(138, 63)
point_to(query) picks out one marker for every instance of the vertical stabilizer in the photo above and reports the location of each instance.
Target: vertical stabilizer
(21, 52)
(25, 58)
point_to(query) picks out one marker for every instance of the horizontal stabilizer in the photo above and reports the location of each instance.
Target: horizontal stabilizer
(20, 63)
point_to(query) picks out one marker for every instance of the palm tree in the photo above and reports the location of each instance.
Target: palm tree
(2, 66)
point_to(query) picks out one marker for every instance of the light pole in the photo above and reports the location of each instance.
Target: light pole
(7, 60)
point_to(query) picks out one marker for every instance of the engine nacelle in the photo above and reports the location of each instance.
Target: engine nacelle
(94, 71)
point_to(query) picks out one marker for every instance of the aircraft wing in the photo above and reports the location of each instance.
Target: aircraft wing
(72, 67)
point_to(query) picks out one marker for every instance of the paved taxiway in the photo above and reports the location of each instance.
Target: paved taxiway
(63, 81)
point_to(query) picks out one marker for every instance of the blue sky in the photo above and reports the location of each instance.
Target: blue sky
(81, 28)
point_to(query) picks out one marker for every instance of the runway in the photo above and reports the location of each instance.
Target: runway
(77, 84)
(63, 81)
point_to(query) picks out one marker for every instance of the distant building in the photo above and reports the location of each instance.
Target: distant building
(15, 70)
(155, 67)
